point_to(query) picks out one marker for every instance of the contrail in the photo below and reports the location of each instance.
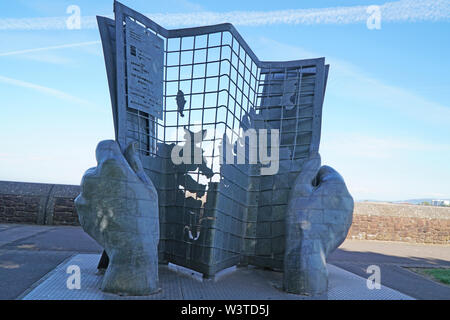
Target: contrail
(397, 11)
(45, 90)
(71, 45)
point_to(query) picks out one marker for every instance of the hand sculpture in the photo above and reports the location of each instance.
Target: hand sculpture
(318, 218)
(118, 207)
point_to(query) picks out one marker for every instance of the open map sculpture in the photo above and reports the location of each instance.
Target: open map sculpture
(168, 86)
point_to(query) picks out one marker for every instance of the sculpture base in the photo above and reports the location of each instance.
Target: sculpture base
(243, 284)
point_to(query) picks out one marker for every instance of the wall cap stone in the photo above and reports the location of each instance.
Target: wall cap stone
(47, 194)
(39, 189)
(368, 208)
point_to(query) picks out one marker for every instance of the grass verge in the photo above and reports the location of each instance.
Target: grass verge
(441, 275)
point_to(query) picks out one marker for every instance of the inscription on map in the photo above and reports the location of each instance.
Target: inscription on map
(145, 58)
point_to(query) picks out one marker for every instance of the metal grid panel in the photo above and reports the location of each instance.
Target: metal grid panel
(286, 102)
(218, 81)
(212, 216)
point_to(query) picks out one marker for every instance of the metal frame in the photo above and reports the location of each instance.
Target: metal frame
(232, 227)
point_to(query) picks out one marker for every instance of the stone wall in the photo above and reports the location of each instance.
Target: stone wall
(18, 209)
(64, 212)
(38, 203)
(400, 222)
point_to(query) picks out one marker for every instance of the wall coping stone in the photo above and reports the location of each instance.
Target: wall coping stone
(401, 210)
(46, 193)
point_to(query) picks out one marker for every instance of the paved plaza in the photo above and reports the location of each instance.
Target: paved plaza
(34, 259)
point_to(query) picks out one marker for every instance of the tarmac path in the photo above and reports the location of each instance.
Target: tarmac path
(29, 252)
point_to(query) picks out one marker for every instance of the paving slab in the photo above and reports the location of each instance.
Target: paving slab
(10, 234)
(29, 252)
(242, 284)
(38, 250)
(57, 239)
(394, 259)
(19, 269)
(400, 253)
(403, 280)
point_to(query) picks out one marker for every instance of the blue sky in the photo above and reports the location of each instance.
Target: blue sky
(386, 116)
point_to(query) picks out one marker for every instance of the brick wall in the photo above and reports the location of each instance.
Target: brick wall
(64, 212)
(400, 222)
(38, 203)
(18, 209)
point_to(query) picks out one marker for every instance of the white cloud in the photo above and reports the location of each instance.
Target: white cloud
(377, 162)
(354, 144)
(44, 54)
(398, 11)
(376, 166)
(35, 50)
(348, 80)
(363, 86)
(48, 58)
(45, 90)
(189, 5)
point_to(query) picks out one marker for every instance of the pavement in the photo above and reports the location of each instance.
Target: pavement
(394, 259)
(178, 283)
(29, 253)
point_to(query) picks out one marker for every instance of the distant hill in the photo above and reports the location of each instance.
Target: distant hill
(418, 201)
(410, 201)
(415, 201)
